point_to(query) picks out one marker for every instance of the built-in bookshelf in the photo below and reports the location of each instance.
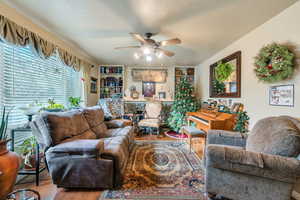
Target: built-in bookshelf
(111, 81)
(185, 71)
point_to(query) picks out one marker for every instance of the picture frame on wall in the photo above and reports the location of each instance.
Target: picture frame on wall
(282, 95)
(149, 75)
(148, 89)
(162, 95)
(93, 85)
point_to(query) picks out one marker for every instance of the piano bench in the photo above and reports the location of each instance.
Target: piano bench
(191, 131)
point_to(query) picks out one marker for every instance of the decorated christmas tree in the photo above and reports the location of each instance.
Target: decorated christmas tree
(184, 102)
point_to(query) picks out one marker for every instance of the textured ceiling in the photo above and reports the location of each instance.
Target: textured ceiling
(97, 26)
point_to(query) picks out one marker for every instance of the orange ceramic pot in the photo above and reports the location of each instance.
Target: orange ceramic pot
(9, 166)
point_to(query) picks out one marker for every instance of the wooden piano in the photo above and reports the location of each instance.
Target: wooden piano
(208, 119)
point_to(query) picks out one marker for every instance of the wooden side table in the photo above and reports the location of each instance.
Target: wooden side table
(38, 169)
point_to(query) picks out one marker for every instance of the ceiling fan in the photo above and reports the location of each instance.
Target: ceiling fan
(147, 44)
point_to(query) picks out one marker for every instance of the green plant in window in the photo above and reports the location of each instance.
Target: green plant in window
(75, 101)
(54, 106)
(223, 71)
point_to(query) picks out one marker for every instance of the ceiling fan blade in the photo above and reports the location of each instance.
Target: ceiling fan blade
(127, 47)
(170, 42)
(166, 52)
(139, 37)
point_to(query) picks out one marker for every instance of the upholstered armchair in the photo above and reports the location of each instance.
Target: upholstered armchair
(152, 116)
(263, 166)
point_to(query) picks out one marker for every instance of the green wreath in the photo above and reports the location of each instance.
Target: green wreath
(223, 71)
(274, 63)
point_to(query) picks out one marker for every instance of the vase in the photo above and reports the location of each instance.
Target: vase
(9, 166)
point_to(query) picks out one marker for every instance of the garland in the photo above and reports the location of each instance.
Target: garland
(274, 63)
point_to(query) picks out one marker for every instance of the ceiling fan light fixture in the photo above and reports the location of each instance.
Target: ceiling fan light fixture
(159, 54)
(146, 50)
(148, 58)
(136, 55)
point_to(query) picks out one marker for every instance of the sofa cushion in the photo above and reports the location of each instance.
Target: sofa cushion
(95, 118)
(252, 163)
(127, 132)
(59, 126)
(80, 147)
(275, 135)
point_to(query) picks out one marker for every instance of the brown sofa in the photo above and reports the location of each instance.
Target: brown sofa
(81, 152)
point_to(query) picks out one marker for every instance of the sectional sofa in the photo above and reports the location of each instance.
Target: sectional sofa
(81, 149)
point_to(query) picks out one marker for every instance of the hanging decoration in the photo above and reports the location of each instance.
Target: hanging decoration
(274, 63)
(223, 71)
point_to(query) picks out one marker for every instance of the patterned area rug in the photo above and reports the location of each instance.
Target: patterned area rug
(161, 170)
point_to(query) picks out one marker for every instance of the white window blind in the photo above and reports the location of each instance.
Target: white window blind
(26, 78)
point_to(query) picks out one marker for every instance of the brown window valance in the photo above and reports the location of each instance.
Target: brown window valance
(13, 33)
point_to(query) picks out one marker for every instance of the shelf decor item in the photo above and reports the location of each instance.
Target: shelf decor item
(274, 63)
(9, 161)
(281, 95)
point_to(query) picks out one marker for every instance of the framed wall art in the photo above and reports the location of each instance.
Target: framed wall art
(93, 85)
(148, 89)
(149, 75)
(281, 95)
(162, 95)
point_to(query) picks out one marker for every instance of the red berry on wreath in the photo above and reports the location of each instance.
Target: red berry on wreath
(270, 67)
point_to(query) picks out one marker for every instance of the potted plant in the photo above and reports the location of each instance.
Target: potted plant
(9, 161)
(242, 122)
(27, 150)
(54, 107)
(75, 102)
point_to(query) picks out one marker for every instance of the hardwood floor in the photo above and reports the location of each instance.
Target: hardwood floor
(48, 191)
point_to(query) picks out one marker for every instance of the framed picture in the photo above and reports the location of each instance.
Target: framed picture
(149, 75)
(162, 95)
(93, 85)
(281, 95)
(236, 107)
(221, 108)
(148, 89)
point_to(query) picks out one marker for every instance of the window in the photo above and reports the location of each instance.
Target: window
(26, 78)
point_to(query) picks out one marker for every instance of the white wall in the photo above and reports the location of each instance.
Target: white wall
(283, 28)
